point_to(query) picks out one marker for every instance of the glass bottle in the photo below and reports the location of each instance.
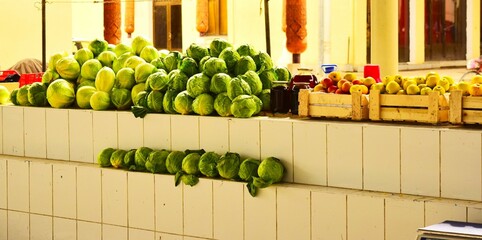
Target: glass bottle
(304, 75)
(279, 97)
(297, 86)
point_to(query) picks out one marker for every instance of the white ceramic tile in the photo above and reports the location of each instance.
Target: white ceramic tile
(260, 214)
(3, 224)
(89, 194)
(13, 131)
(169, 199)
(474, 213)
(41, 187)
(65, 229)
(57, 133)
(309, 152)
(461, 174)
(18, 225)
(89, 231)
(402, 218)
(214, 134)
(141, 234)
(18, 185)
(381, 158)
(271, 132)
(439, 211)
(184, 132)
(420, 161)
(110, 232)
(41, 227)
(244, 137)
(64, 189)
(3, 184)
(35, 132)
(293, 213)
(228, 209)
(344, 155)
(81, 138)
(140, 189)
(166, 236)
(360, 208)
(198, 209)
(114, 197)
(328, 215)
(104, 131)
(157, 131)
(130, 130)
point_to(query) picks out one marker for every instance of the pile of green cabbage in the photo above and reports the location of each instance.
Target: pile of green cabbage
(219, 79)
(189, 165)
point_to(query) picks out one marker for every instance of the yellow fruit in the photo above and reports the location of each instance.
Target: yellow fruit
(387, 79)
(413, 89)
(444, 82)
(439, 89)
(398, 78)
(369, 81)
(318, 88)
(464, 87)
(408, 83)
(335, 76)
(420, 80)
(432, 79)
(392, 87)
(378, 86)
(401, 92)
(425, 91)
(350, 76)
(476, 79)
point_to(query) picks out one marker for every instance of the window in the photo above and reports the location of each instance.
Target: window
(218, 19)
(167, 24)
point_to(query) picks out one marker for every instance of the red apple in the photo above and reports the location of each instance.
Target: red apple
(346, 87)
(326, 82)
(340, 83)
(339, 91)
(332, 89)
(356, 82)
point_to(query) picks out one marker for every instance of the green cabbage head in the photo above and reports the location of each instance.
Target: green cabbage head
(156, 162)
(228, 165)
(60, 93)
(244, 106)
(203, 104)
(117, 158)
(140, 158)
(208, 163)
(103, 158)
(174, 161)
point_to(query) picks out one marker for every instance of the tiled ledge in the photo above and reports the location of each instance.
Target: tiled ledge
(432, 161)
(71, 199)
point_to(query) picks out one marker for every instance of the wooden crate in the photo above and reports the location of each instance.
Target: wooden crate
(432, 108)
(465, 109)
(345, 106)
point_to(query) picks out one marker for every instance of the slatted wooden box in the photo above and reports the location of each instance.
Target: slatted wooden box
(465, 109)
(432, 108)
(330, 105)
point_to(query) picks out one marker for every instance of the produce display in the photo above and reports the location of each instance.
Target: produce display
(336, 82)
(217, 80)
(187, 166)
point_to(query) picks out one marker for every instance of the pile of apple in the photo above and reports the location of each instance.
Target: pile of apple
(472, 88)
(348, 83)
(418, 85)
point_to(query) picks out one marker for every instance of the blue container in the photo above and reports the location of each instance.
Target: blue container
(328, 68)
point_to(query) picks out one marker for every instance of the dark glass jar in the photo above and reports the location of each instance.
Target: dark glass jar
(279, 97)
(297, 86)
(304, 75)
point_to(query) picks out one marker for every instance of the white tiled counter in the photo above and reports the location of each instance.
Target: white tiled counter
(339, 174)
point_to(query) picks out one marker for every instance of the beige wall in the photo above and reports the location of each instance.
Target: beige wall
(84, 20)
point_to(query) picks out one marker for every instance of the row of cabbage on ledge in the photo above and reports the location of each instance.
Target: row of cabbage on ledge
(219, 79)
(187, 166)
